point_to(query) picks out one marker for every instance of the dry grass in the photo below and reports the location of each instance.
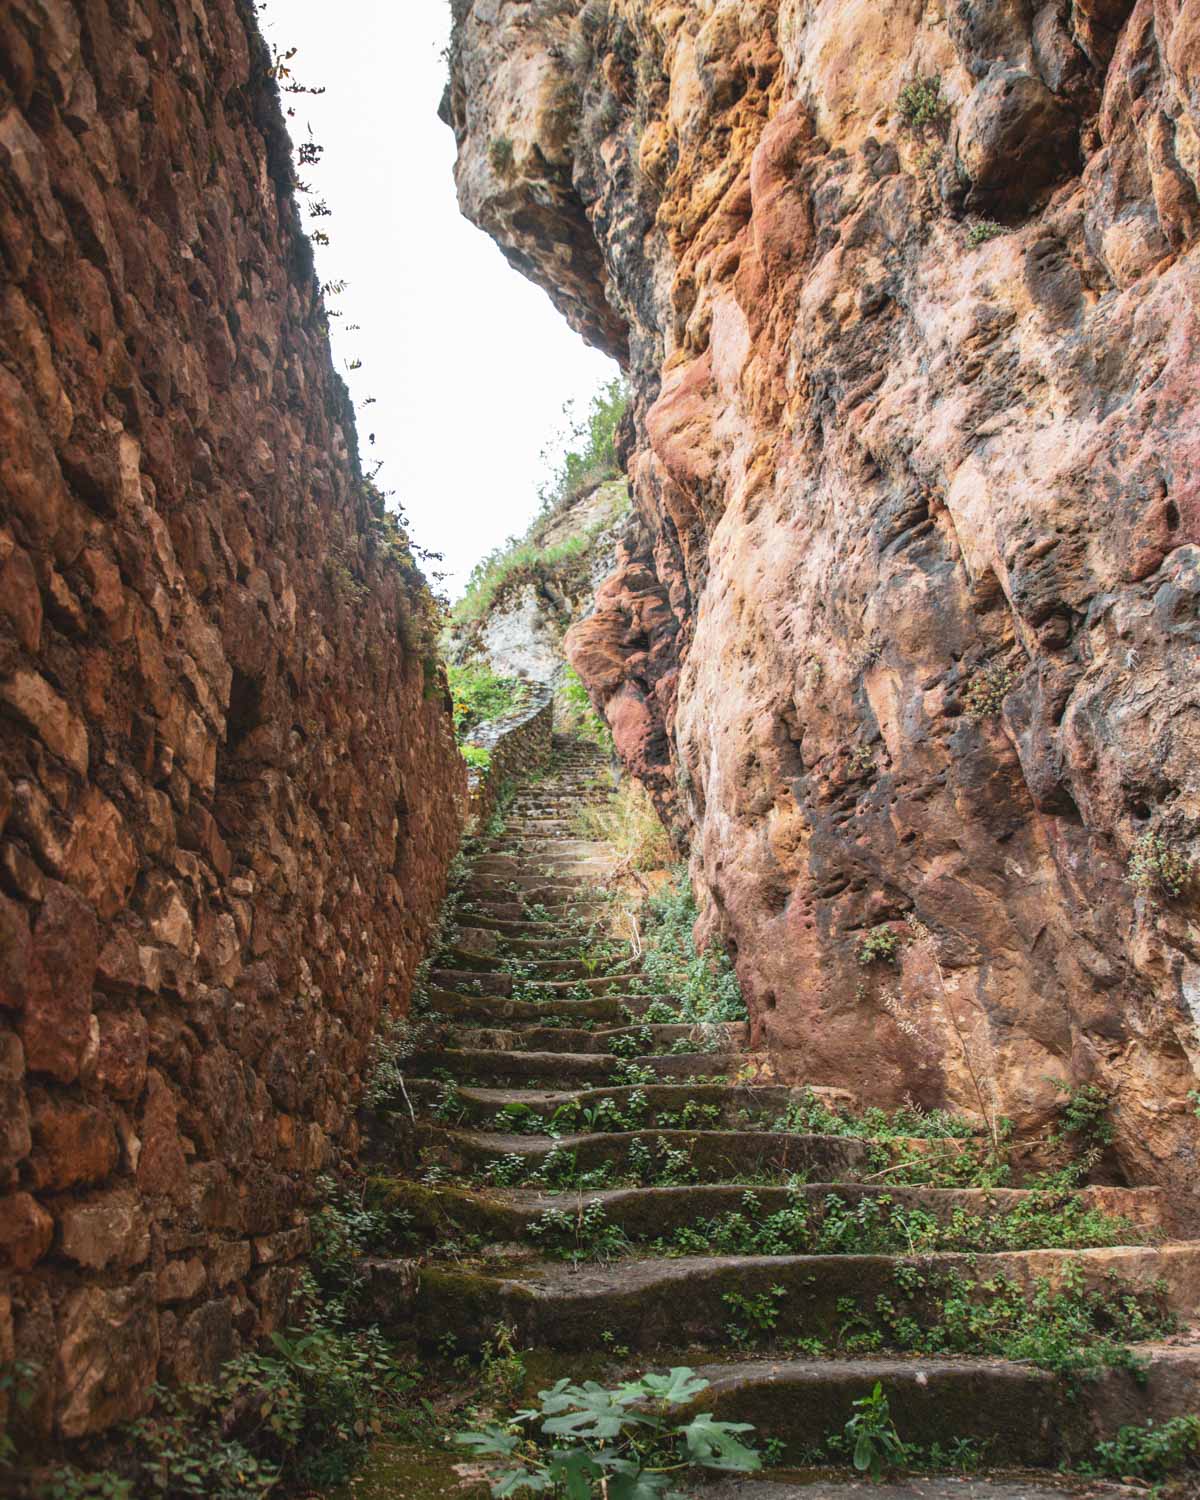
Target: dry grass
(630, 824)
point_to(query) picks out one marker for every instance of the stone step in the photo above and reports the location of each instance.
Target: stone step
(487, 942)
(1016, 1413)
(477, 981)
(712, 1106)
(533, 1038)
(536, 966)
(564, 1069)
(498, 1008)
(651, 1304)
(508, 1215)
(522, 927)
(705, 1155)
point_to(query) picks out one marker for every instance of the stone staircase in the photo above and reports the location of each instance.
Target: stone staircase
(579, 1173)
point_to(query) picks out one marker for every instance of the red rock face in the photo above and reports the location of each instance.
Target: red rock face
(911, 628)
(227, 796)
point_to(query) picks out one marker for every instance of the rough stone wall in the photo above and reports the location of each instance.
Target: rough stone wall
(228, 786)
(891, 473)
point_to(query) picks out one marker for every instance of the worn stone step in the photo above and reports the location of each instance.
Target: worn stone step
(1001, 1482)
(506, 1215)
(461, 1005)
(534, 886)
(564, 1068)
(521, 927)
(519, 910)
(1017, 1414)
(651, 1304)
(713, 1105)
(484, 941)
(533, 1038)
(538, 967)
(710, 1155)
(481, 981)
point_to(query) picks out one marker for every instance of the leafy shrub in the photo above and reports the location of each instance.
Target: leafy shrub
(480, 694)
(588, 460)
(578, 716)
(1157, 863)
(705, 983)
(921, 104)
(874, 1443)
(985, 230)
(1153, 1452)
(987, 691)
(500, 154)
(881, 945)
(476, 757)
(620, 1442)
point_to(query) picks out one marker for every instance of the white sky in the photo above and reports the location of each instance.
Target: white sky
(469, 363)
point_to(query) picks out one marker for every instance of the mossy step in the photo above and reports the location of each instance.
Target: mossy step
(651, 1304)
(518, 910)
(484, 940)
(534, 1038)
(504, 1215)
(735, 1102)
(550, 892)
(537, 965)
(479, 981)
(563, 1069)
(711, 1155)
(523, 927)
(1017, 1414)
(498, 1008)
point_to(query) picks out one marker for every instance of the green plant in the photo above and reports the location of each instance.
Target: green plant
(755, 1317)
(501, 155)
(1158, 864)
(70, 1483)
(17, 1391)
(476, 757)
(880, 945)
(1153, 1452)
(921, 104)
(621, 1442)
(586, 1234)
(985, 230)
(987, 691)
(875, 1445)
(705, 983)
(480, 694)
(1084, 1115)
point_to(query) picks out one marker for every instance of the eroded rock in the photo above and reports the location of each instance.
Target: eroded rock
(910, 499)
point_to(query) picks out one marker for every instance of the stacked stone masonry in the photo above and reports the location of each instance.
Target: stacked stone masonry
(229, 792)
(518, 745)
(909, 297)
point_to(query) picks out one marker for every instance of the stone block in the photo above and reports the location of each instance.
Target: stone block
(107, 1229)
(35, 702)
(56, 1022)
(107, 1358)
(26, 1231)
(73, 1144)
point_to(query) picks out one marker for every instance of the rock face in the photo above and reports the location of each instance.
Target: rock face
(228, 786)
(912, 629)
(521, 634)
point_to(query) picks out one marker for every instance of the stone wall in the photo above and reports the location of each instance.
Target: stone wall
(910, 299)
(228, 786)
(518, 744)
